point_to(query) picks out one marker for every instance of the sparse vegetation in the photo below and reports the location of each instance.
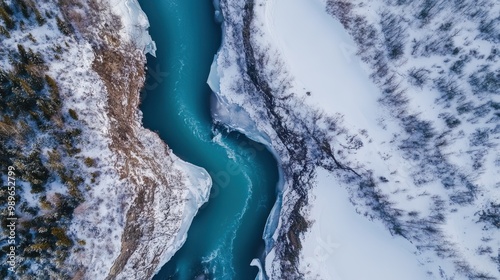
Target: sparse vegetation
(418, 77)
(490, 216)
(90, 162)
(63, 27)
(7, 18)
(73, 114)
(394, 34)
(485, 81)
(452, 121)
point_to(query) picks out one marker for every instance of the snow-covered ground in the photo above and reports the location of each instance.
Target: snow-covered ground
(313, 49)
(344, 245)
(340, 239)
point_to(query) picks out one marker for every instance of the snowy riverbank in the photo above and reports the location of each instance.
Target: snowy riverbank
(325, 105)
(178, 189)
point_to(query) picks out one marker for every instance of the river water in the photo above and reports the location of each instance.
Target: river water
(227, 232)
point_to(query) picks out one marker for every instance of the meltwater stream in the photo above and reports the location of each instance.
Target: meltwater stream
(227, 232)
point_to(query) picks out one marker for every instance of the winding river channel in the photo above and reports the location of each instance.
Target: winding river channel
(227, 232)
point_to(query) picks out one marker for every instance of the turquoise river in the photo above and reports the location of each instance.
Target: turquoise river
(226, 234)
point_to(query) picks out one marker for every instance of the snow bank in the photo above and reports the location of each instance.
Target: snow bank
(198, 184)
(231, 114)
(260, 275)
(135, 24)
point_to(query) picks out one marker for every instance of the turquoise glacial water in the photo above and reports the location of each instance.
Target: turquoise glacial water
(227, 232)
